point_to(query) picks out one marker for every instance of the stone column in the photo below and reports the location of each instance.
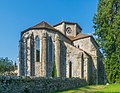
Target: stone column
(44, 56)
(57, 55)
(86, 67)
(32, 61)
(25, 56)
(95, 69)
(19, 58)
(80, 64)
(75, 29)
(41, 48)
(28, 65)
(63, 29)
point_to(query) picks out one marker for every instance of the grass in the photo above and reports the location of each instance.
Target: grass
(112, 88)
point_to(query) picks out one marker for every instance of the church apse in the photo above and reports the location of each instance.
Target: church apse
(62, 48)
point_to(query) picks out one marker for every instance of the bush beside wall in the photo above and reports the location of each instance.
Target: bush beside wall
(14, 84)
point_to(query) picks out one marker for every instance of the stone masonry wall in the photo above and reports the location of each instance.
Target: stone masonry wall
(14, 84)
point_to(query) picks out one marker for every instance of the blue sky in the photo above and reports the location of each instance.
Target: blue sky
(17, 15)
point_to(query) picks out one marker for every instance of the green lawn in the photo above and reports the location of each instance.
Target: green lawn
(113, 88)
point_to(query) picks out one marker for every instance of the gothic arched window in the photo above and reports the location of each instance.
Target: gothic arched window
(70, 69)
(37, 49)
(82, 68)
(50, 49)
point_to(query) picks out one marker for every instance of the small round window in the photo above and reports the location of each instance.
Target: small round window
(68, 30)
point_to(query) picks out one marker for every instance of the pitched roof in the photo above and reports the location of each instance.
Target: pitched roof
(66, 23)
(79, 36)
(43, 24)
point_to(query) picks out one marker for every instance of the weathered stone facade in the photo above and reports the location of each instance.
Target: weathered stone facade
(74, 54)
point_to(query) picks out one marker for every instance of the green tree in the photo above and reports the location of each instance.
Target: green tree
(6, 66)
(107, 33)
(54, 72)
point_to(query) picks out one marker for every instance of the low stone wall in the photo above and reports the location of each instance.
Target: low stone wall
(14, 84)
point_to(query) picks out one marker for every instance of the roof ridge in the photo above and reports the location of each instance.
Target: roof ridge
(83, 34)
(43, 24)
(79, 36)
(64, 22)
(67, 23)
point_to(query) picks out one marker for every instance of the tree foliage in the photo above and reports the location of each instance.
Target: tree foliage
(54, 72)
(6, 66)
(107, 32)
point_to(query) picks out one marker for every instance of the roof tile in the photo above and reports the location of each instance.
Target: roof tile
(43, 24)
(79, 36)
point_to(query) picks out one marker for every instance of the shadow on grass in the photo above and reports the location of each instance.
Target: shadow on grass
(85, 89)
(89, 89)
(105, 92)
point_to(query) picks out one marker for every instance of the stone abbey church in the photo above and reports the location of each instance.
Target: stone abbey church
(63, 47)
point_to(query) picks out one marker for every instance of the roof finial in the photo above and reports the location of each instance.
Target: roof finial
(62, 20)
